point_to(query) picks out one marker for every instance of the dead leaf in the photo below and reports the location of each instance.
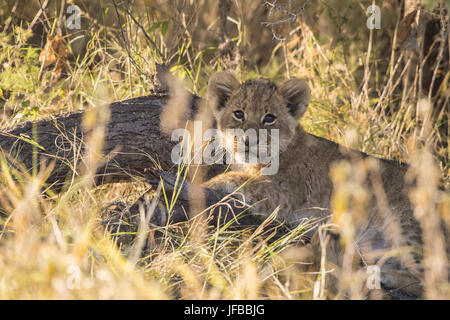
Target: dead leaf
(54, 52)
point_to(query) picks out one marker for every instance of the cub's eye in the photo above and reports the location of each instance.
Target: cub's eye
(269, 119)
(239, 115)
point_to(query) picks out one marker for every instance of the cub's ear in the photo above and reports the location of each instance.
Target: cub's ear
(297, 94)
(220, 87)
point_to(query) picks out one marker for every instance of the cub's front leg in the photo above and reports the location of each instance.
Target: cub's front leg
(223, 198)
(255, 191)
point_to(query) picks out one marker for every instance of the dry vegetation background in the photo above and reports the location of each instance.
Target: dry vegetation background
(385, 92)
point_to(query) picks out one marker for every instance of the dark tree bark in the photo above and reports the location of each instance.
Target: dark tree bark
(132, 139)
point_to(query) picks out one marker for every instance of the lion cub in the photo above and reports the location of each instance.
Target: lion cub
(302, 187)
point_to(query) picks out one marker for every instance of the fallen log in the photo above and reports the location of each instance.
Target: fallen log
(133, 141)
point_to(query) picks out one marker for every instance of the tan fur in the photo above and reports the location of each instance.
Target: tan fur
(302, 184)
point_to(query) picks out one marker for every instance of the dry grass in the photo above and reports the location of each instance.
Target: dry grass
(54, 246)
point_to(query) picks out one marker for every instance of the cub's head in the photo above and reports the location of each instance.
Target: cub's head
(258, 104)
